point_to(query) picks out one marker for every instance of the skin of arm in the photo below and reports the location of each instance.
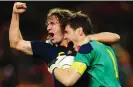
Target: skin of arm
(105, 37)
(15, 37)
(68, 78)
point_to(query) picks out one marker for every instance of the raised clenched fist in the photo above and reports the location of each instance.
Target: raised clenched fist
(19, 7)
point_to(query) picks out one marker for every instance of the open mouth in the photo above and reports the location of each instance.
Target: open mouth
(50, 35)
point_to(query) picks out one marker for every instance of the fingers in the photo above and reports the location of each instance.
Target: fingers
(20, 5)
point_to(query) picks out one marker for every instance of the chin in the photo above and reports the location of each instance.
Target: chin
(54, 42)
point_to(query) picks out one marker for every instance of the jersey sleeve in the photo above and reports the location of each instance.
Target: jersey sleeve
(84, 55)
(82, 59)
(44, 51)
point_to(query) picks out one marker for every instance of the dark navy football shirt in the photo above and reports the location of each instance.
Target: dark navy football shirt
(48, 52)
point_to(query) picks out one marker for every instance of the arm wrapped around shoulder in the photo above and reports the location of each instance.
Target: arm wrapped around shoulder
(62, 62)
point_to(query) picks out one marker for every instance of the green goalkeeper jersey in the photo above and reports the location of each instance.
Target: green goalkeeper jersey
(101, 63)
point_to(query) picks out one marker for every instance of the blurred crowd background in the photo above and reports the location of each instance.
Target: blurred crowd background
(20, 70)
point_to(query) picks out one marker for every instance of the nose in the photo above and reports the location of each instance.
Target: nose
(65, 35)
(49, 28)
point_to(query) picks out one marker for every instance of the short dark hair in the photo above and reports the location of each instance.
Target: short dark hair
(80, 20)
(61, 14)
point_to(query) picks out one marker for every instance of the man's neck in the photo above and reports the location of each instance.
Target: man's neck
(83, 40)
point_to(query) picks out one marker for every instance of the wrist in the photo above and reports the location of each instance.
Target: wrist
(54, 70)
(53, 66)
(15, 13)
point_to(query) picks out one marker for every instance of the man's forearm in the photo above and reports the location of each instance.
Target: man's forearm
(14, 32)
(67, 77)
(15, 37)
(105, 37)
(62, 76)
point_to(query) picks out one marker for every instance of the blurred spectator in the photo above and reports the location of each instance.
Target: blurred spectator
(125, 69)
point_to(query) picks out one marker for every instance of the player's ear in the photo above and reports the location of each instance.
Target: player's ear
(79, 31)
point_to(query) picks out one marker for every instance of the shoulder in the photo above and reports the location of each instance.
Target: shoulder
(86, 48)
(91, 46)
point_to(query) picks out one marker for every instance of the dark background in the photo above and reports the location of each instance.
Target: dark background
(106, 16)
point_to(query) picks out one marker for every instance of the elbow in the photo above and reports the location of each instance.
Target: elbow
(118, 37)
(68, 83)
(12, 46)
(115, 36)
(13, 43)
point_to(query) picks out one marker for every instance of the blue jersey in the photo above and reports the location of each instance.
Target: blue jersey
(49, 53)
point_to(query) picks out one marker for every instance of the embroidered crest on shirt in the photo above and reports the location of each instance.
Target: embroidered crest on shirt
(69, 52)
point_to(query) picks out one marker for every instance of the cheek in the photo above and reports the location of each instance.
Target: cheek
(71, 37)
(58, 30)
